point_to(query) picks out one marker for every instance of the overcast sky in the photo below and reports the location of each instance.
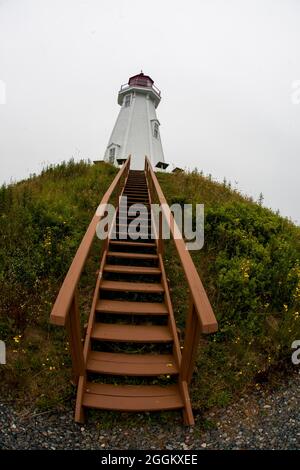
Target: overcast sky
(225, 69)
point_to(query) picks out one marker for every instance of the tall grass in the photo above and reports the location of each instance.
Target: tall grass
(42, 221)
(250, 267)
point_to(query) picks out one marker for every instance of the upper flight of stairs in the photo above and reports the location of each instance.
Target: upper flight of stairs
(131, 350)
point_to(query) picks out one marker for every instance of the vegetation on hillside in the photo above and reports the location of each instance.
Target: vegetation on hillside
(42, 221)
(249, 266)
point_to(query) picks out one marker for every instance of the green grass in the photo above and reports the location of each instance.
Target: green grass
(42, 221)
(249, 266)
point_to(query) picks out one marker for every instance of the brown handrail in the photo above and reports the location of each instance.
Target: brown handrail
(68, 289)
(199, 297)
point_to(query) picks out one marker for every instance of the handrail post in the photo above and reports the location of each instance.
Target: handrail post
(191, 342)
(74, 330)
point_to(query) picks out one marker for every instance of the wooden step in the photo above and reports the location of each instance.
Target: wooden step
(140, 223)
(125, 243)
(136, 190)
(141, 205)
(129, 218)
(134, 200)
(132, 192)
(131, 308)
(118, 268)
(136, 186)
(124, 229)
(149, 287)
(122, 214)
(131, 333)
(120, 254)
(140, 227)
(138, 198)
(133, 217)
(137, 193)
(132, 397)
(131, 364)
(139, 178)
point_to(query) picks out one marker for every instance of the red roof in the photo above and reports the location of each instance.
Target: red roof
(141, 80)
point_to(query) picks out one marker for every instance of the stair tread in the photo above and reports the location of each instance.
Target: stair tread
(129, 218)
(118, 268)
(132, 397)
(147, 224)
(132, 286)
(132, 192)
(125, 243)
(121, 254)
(131, 308)
(131, 333)
(131, 364)
(144, 203)
(140, 199)
(137, 187)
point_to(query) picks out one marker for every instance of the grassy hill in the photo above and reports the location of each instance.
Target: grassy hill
(249, 266)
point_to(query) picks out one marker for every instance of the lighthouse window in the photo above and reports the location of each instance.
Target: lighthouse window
(155, 130)
(112, 153)
(127, 101)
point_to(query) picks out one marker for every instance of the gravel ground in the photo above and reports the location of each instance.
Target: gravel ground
(260, 420)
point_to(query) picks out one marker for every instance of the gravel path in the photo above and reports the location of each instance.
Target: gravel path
(262, 420)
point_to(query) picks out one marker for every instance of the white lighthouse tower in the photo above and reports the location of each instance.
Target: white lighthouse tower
(136, 131)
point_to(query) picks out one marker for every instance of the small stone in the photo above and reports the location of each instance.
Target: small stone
(203, 445)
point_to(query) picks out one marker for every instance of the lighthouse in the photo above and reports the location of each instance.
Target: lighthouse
(136, 131)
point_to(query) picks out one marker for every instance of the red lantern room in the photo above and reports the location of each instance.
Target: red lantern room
(142, 84)
(140, 80)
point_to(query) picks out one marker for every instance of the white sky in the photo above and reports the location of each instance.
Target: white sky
(225, 69)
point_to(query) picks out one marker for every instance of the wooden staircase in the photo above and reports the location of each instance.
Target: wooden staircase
(131, 359)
